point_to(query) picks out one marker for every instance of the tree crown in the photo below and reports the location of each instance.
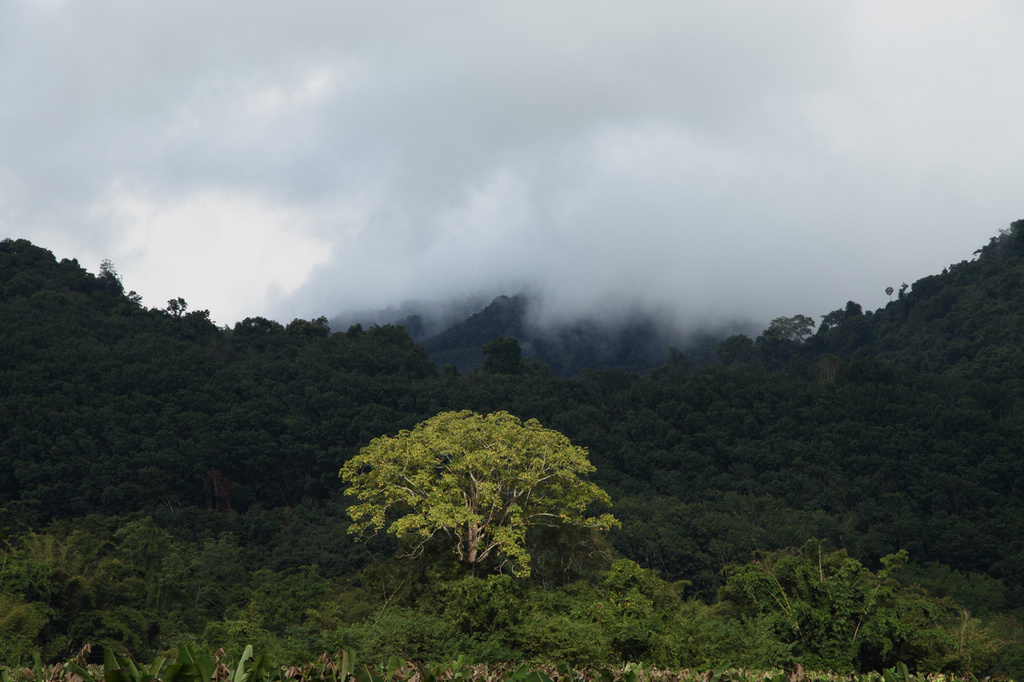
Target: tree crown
(482, 482)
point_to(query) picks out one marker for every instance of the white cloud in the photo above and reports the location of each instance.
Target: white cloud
(234, 254)
(726, 158)
(269, 103)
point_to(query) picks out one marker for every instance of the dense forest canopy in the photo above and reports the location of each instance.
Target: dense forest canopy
(147, 452)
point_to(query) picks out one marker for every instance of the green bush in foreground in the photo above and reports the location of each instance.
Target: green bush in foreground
(127, 584)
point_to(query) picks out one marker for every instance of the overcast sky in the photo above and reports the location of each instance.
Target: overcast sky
(716, 159)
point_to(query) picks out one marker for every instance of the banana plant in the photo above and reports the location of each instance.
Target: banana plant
(252, 668)
(123, 669)
(524, 674)
(459, 669)
(120, 669)
(566, 673)
(189, 667)
(328, 669)
(367, 673)
(897, 673)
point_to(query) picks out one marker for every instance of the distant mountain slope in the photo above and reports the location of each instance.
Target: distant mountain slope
(970, 315)
(422, 319)
(636, 343)
(460, 344)
(973, 312)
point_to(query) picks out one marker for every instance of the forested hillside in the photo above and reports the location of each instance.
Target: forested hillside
(164, 480)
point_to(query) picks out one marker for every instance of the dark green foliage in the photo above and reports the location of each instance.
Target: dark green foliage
(828, 610)
(981, 594)
(159, 408)
(461, 345)
(736, 349)
(503, 356)
(162, 478)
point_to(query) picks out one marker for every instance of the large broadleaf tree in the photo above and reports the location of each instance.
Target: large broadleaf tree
(482, 482)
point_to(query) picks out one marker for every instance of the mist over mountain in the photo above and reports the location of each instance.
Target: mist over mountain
(364, 157)
(636, 339)
(422, 319)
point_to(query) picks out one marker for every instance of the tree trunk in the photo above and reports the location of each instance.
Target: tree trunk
(472, 536)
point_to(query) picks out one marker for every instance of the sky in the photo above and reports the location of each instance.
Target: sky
(711, 160)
